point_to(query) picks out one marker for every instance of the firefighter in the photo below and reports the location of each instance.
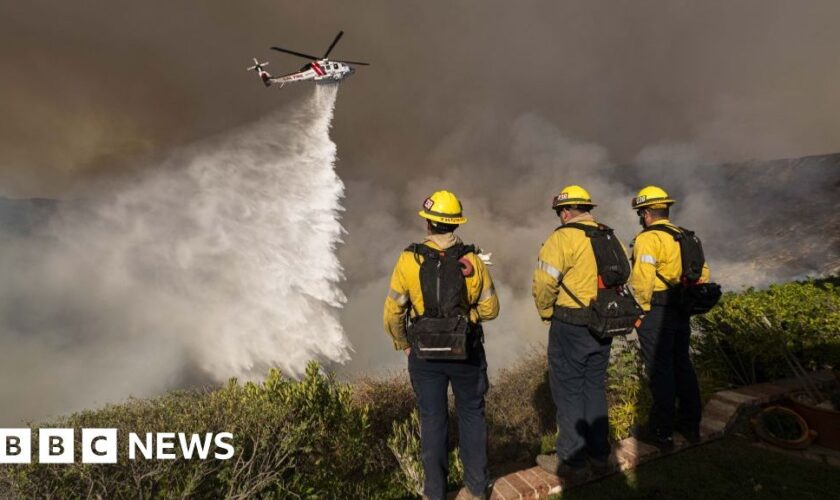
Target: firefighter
(566, 278)
(412, 299)
(665, 329)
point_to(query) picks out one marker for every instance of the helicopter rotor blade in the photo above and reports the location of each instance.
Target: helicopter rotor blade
(337, 38)
(292, 52)
(257, 65)
(352, 62)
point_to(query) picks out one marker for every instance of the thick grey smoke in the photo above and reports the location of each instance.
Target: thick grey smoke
(95, 87)
(502, 102)
(219, 262)
(761, 222)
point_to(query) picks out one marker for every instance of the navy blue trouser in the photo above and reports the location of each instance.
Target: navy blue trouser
(664, 338)
(577, 371)
(431, 380)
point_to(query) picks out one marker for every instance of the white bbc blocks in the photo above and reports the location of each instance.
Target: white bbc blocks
(99, 446)
(15, 446)
(55, 446)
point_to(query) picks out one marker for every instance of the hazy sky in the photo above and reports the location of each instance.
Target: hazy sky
(503, 102)
(99, 85)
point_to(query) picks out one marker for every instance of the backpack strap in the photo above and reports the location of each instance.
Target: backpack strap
(590, 232)
(667, 283)
(677, 234)
(422, 249)
(458, 251)
(465, 250)
(573, 296)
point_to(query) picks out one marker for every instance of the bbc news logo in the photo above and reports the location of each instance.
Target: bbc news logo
(101, 446)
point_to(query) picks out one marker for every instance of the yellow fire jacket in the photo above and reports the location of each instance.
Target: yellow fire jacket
(567, 253)
(406, 295)
(656, 251)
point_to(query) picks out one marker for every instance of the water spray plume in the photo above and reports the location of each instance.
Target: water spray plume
(219, 263)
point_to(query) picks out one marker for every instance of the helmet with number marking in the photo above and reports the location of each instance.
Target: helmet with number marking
(443, 207)
(652, 197)
(572, 195)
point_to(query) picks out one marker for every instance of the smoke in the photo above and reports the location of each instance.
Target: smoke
(99, 87)
(218, 262)
(501, 102)
(751, 216)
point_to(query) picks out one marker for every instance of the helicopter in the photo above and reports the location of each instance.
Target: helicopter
(321, 69)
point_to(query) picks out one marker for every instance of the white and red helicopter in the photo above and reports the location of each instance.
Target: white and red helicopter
(321, 69)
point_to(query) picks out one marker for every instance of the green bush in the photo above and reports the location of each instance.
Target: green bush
(320, 438)
(387, 400)
(743, 340)
(298, 439)
(335, 433)
(404, 443)
(628, 399)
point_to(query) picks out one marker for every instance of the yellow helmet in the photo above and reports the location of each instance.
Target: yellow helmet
(443, 207)
(652, 197)
(572, 195)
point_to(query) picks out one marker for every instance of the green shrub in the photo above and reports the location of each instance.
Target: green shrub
(320, 438)
(387, 400)
(299, 439)
(333, 455)
(404, 443)
(628, 399)
(742, 340)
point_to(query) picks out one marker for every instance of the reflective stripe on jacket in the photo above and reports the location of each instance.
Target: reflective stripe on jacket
(406, 296)
(657, 251)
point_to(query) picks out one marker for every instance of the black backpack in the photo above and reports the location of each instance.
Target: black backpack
(614, 311)
(442, 331)
(691, 296)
